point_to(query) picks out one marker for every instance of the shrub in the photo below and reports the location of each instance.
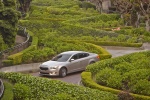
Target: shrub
(63, 96)
(2, 44)
(86, 5)
(137, 56)
(133, 76)
(106, 76)
(21, 91)
(132, 40)
(141, 87)
(122, 72)
(8, 93)
(42, 88)
(143, 63)
(16, 58)
(124, 67)
(124, 96)
(7, 62)
(88, 82)
(38, 55)
(27, 57)
(138, 31)
(115, 81)
(121, 38)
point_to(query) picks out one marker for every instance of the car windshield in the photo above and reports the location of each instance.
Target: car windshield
(61, 57)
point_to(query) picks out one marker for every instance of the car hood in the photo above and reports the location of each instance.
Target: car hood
(53, 63)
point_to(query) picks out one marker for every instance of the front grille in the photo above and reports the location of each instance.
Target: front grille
(43, 68)
(43, 73)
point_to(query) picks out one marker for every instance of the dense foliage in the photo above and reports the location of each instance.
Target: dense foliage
(2, 44)
(62, 25)
(8, 21)
(130, 72)
(33, 88)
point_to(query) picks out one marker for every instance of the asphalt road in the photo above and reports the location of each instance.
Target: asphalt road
(75, 78)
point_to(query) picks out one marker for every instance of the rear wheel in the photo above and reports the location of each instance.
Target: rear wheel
(92, 62)
(63, 72)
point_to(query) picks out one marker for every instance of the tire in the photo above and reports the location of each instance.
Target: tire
(92, 62)
(63, 72)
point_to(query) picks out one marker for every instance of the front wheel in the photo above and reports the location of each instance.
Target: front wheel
(62, 72)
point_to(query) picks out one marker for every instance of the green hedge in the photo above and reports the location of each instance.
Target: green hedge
(52, 47)
(8, 93)
(17, 58)
(114, 61)
(101, 51)
(20, 89)
(46, 19)
(129, 68)
(7, 62)
(54, 3)
(73, 12)
(3, 46)
(112, 43)
(100, 17)
(101, 21)
(132, 73)
(39, 55)
(88, 82)
(104, 54)
(86, 5)
(46, 89)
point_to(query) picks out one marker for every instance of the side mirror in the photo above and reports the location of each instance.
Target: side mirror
(71, 60)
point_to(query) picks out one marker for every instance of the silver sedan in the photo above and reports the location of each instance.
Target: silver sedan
(68, 62)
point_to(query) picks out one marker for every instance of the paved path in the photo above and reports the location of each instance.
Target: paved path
(146, 46)
(19, 39)
(75, 78)
(119, 51)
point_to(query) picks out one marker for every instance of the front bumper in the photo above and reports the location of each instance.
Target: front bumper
(49, 72)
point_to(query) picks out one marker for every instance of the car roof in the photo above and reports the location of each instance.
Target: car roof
(73, 52)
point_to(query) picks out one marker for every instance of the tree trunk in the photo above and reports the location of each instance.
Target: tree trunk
(99, 6)
(138, 19)
(147, 24)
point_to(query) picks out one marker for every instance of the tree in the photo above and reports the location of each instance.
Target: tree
(123, 7)
(143, 8)
(9, 3)
(98, 4)
(1, 6)
(8, 22)
(24, 5)
(134, 8)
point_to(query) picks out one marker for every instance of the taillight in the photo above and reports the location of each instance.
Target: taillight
(98, 57)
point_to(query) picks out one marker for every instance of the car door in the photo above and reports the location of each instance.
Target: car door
(84, 60)
(74, 63)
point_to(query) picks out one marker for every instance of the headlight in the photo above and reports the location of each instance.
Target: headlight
(53, 67)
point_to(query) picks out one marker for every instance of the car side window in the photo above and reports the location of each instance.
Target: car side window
(75, 57)
(82, 55)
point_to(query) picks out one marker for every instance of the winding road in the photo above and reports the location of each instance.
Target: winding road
(75, 78)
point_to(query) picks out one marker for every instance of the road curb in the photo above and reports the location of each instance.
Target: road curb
(21, 68)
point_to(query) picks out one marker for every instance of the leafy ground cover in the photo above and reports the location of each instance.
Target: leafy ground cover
(129, 73)
(27, 87)
(62, 25)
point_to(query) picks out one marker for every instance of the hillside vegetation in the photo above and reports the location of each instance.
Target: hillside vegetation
(62, 25)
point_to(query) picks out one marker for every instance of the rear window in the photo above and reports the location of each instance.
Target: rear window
(61, 58)
(82, 55)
